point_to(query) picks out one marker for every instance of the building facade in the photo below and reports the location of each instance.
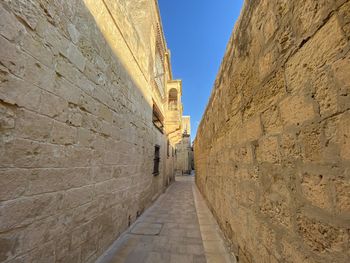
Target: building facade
(89, 119)
(184, 152)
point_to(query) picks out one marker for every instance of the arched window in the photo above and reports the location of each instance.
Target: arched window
(173, 99)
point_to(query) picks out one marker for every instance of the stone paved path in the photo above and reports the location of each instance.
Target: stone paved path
(178, 228)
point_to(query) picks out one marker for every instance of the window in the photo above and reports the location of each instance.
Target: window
(158, 118)
(172, 102)
(156, 160)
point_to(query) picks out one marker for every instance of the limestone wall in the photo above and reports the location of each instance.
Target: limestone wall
(183, 155)
(272, 152)
(76, 133)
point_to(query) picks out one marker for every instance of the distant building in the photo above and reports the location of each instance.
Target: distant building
(184, 151)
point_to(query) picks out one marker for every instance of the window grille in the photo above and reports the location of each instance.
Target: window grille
(156, 160)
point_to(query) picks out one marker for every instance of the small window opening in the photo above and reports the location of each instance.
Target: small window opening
(156, 160)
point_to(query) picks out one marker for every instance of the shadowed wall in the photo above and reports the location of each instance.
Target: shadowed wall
(77, 142)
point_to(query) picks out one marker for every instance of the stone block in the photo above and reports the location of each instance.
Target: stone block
(344, 18)
(24, 66)
(105, 113)
(340, 70)
(303, 10)
(74, 55)
(88, 104)
(36, 47)
(63, 134)
(53, 106)
(85, 137)
(42, 254)
(28, 11)
(242, 155)
(38, 74)
(106, 129)
(267, 150)
(100, 63)
(246, 194)
(77, 197)
(275, 204)
(23, 211)
(19, 153)
(290, 148)
(78, 155)
(83, 214)
(39, 181)
(38, 233)
(267, 63)
(293, 253)
(10, 27)
(65, 69)
(296, 110)
(300, 68)
(67, 91)
(75, 118)
(9, 246)
(14, 183)
(14, 90)
(89, 250)
(86, 85)
(344, 136)
(33, 126)
(7, 116)
(269, 241)
(342, 190)
(315, 188)
(63, 247)
(53, 38)
(50, 155)
(313, 144)
(251, 130)
(326, 94)
(70, 257)
(271, 121)
(94, 75)
(102, 173)
(73, 33)
(320, 236)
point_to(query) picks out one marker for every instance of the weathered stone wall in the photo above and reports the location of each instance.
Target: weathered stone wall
(183, 155)
(76, 133)
(273, 149)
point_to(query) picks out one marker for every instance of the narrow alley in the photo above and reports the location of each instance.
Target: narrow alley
(177, 228)
(109, 107)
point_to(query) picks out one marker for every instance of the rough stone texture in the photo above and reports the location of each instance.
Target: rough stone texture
(272, 149)
(77, 142)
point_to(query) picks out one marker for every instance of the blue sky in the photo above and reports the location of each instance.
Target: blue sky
(197, 32)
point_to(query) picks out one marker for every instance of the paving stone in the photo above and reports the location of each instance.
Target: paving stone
(170, 231)
(142, 228)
